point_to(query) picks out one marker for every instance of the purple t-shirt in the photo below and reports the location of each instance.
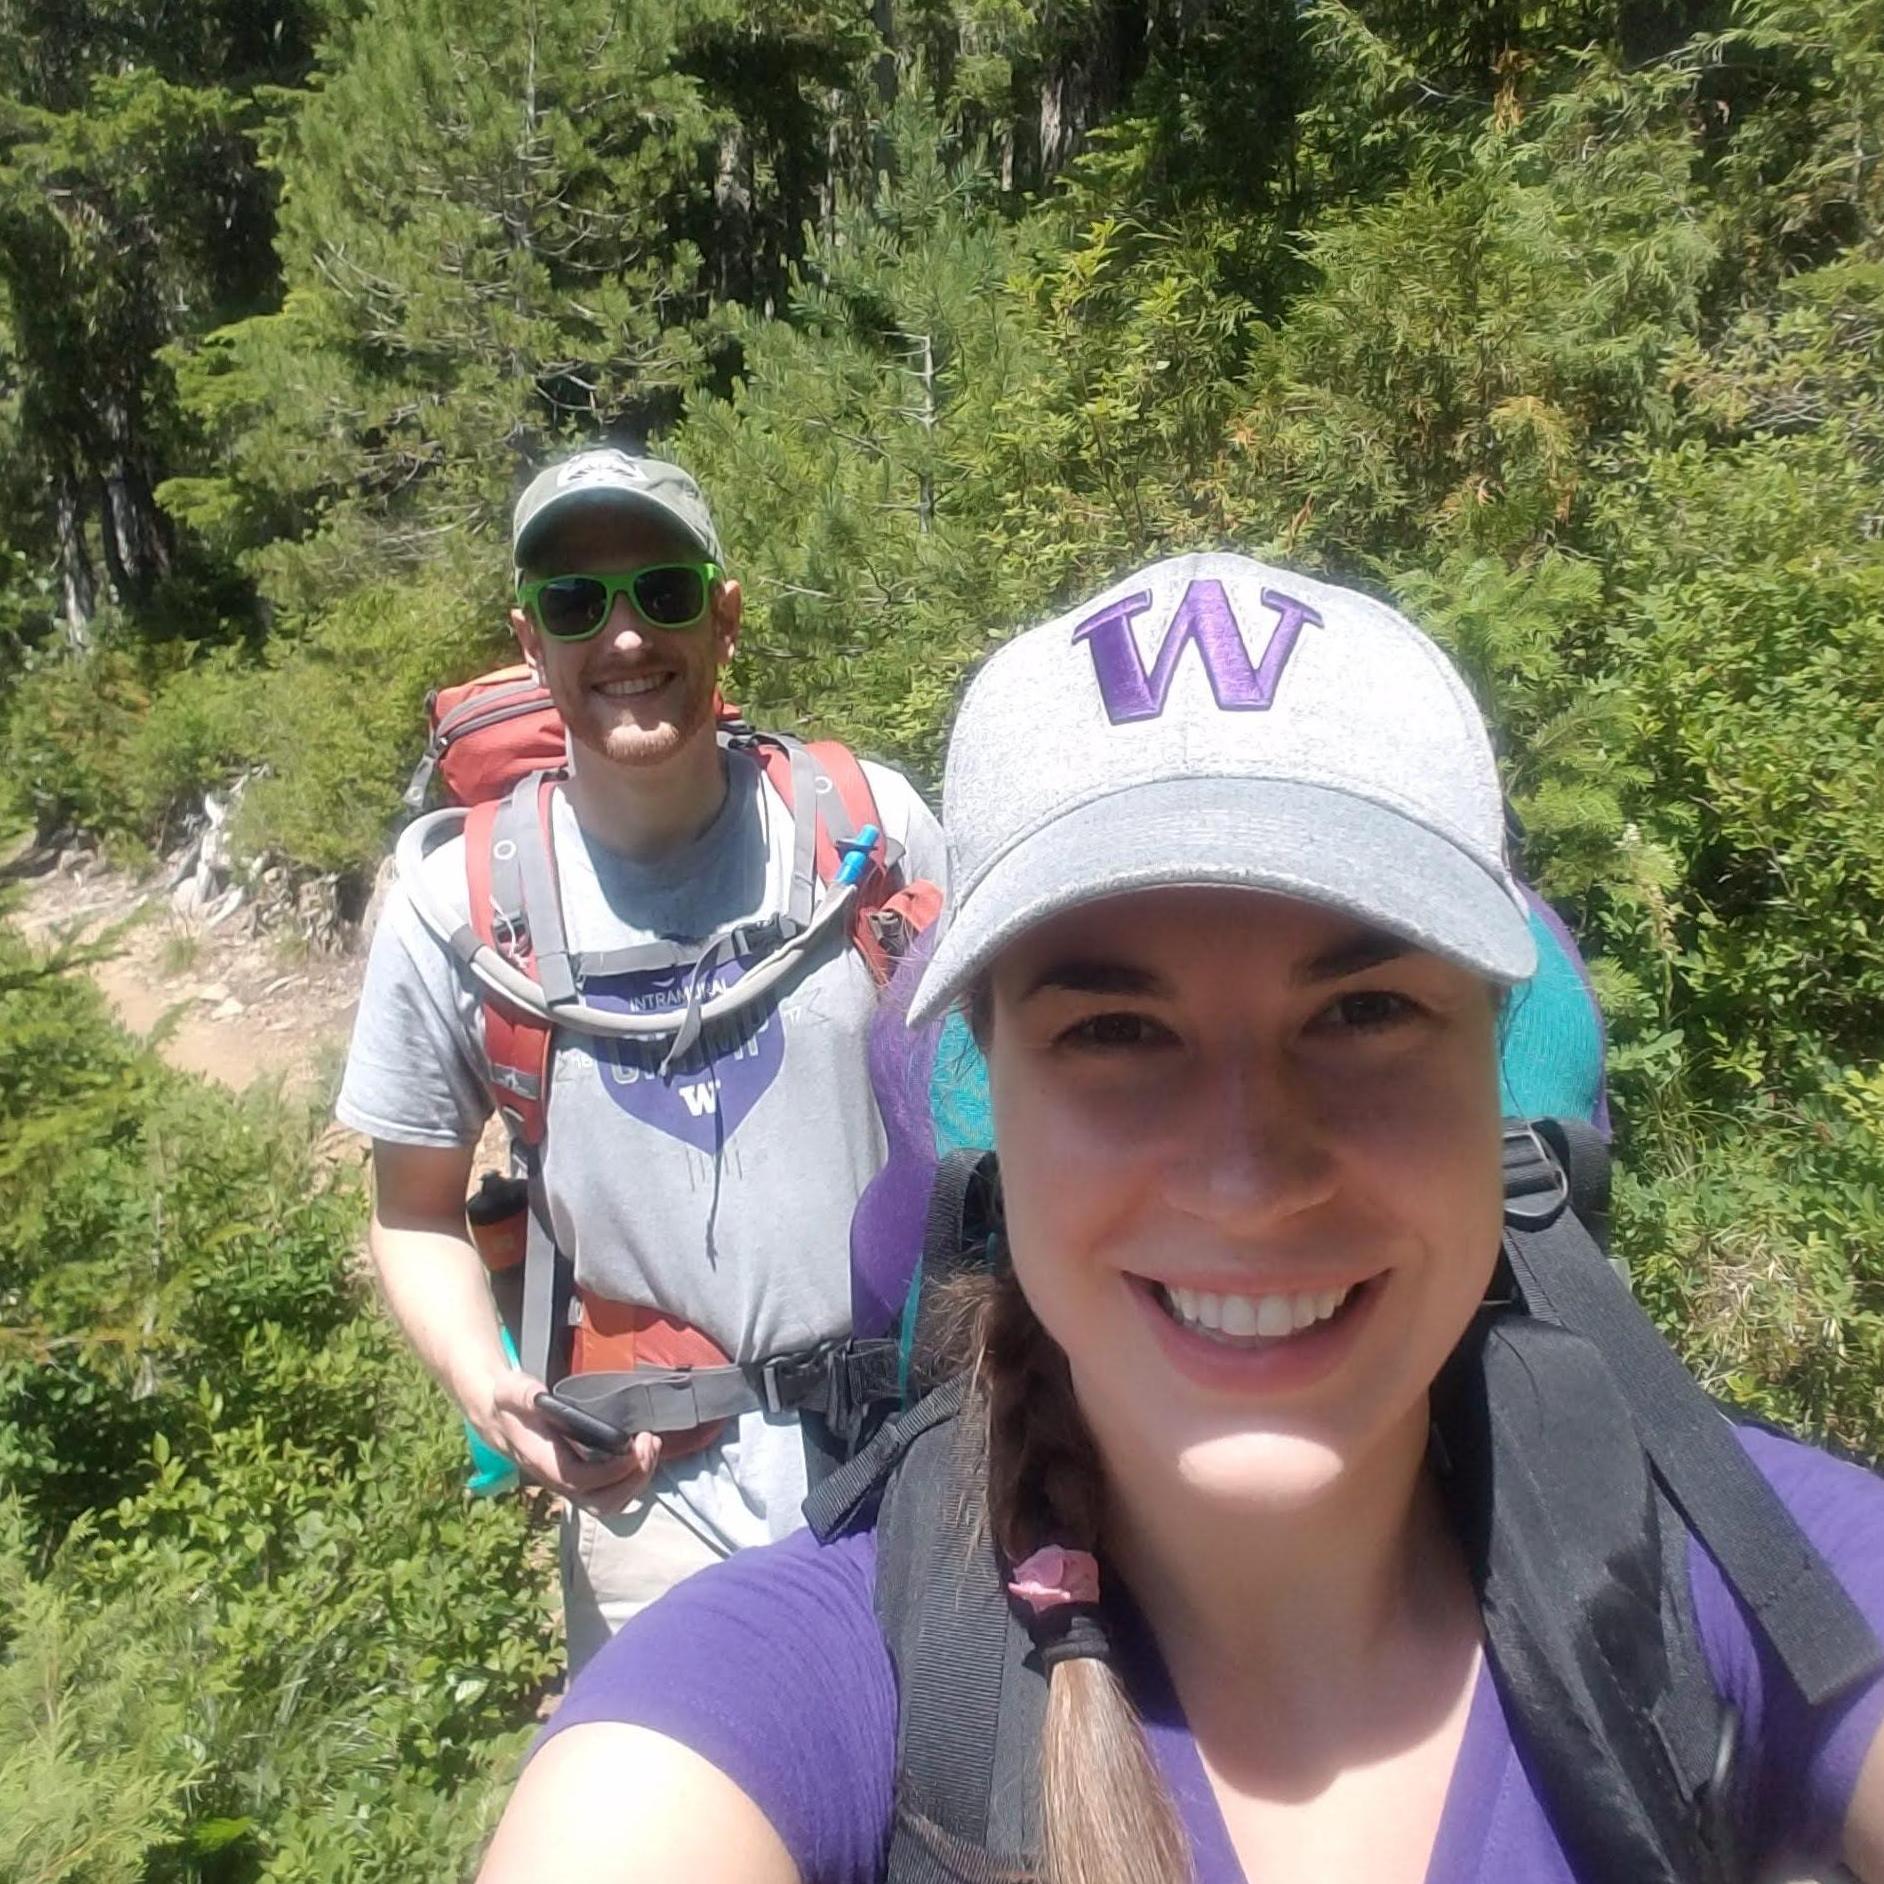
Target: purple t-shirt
(771, 1666)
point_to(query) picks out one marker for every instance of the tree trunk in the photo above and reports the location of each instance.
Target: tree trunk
(133, 532)
(1084, 79)
(925, 495)
(78, 588)
(883, 18)
(136, 533)
(732, 214)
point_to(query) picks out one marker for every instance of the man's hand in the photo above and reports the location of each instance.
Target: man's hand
(502, 1407)
(434, 1282)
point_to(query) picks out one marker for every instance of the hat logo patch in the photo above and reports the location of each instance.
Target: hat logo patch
(599, 467)
(1205, 618)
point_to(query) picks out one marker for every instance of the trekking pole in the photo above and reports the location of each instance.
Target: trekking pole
(491, 1472)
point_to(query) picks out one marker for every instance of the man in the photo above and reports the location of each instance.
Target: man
(718, 1190)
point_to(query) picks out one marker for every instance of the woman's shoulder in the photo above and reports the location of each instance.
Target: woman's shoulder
(770, 1665)
(1838, 1503)
(1804, 1762)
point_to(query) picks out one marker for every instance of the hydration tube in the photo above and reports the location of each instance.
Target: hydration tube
(491, 1471)
(509, 982)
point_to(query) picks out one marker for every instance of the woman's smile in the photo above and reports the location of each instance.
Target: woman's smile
(1255, 1344)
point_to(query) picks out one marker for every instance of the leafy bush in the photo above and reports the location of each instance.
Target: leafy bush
(1758, 1244)
(239, 1584)
(67, 726)
(125, 740)
(340, 712)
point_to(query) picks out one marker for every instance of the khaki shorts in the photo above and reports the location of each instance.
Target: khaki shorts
(617, 1564)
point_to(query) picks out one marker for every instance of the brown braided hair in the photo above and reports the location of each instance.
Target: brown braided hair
(1106, 1817)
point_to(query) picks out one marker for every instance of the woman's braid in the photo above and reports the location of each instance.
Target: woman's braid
(1044, 1482)
(1106, 1817)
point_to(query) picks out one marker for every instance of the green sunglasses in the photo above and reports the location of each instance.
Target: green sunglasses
(666, 595)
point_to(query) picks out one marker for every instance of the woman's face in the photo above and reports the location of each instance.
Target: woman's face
(1250, 1157)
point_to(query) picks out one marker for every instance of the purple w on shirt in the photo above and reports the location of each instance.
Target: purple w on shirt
(1205, 617)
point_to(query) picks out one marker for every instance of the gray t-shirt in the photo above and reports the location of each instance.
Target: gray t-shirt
(721, 1192)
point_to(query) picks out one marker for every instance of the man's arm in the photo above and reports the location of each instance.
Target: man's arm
(433, 1279)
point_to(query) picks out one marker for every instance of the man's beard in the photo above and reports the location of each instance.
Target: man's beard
(626, 744)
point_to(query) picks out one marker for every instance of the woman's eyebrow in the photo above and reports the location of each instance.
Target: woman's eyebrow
(1352, 957)
(1077, 975)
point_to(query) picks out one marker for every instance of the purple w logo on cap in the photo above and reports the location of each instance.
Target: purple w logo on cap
(1205, 617)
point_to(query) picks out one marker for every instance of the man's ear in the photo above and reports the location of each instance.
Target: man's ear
(527, 638)
(726, 607)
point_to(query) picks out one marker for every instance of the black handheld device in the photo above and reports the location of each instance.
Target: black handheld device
(582, 1427)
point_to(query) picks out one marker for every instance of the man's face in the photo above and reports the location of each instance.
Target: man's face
(632, 694)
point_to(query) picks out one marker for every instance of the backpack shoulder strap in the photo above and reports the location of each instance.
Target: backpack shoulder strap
(970, 1709)
(498, 837)
(959, 1236)
(508, 843)
(1818, 1632)
(829, 778)
(1581, 1571)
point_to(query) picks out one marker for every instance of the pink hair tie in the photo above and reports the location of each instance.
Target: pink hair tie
(1059, 1591)
(1053, 1576)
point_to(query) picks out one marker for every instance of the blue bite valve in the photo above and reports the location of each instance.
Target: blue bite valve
(857, 856)
(491, 1472)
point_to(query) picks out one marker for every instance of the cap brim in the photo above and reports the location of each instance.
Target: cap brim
(1290, 839)
(566, 504)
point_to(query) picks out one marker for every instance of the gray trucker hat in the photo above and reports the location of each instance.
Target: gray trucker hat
(1215, 720)
(606, 476)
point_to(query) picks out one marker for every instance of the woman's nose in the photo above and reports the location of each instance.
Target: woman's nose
(1251, 1148)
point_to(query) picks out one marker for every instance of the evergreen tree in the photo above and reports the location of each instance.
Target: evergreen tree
(131, 211)
(841, 468)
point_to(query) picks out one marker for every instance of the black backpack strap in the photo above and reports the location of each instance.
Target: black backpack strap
(1814, 1627)
(834, 1382)
(850, 1495)
(1581, 1573)
(549, 1279)
(971, 1710)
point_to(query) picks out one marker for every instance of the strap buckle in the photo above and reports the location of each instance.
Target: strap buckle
(789, 1383)
(1537, 1187)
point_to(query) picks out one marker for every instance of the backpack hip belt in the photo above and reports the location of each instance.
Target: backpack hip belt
(840, 1381)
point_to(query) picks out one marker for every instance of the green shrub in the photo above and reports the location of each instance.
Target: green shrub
(240, 1583)
(1758, 1244)
(1747, 622)
(340, 713)
(67, 727)
(96, 1762)
(124, 741)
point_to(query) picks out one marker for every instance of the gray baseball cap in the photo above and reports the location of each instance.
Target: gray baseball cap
(1215, 720)
(606, 476)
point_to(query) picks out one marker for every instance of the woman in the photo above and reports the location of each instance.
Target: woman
(1234, 926)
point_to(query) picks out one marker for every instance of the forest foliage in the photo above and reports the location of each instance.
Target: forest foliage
(250, 1626)
(1562, 325)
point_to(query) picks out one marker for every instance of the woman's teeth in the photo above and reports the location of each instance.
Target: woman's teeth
(627, 689)
(1249, 1317)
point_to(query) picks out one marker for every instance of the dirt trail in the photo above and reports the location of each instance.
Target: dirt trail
(247, 1007)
